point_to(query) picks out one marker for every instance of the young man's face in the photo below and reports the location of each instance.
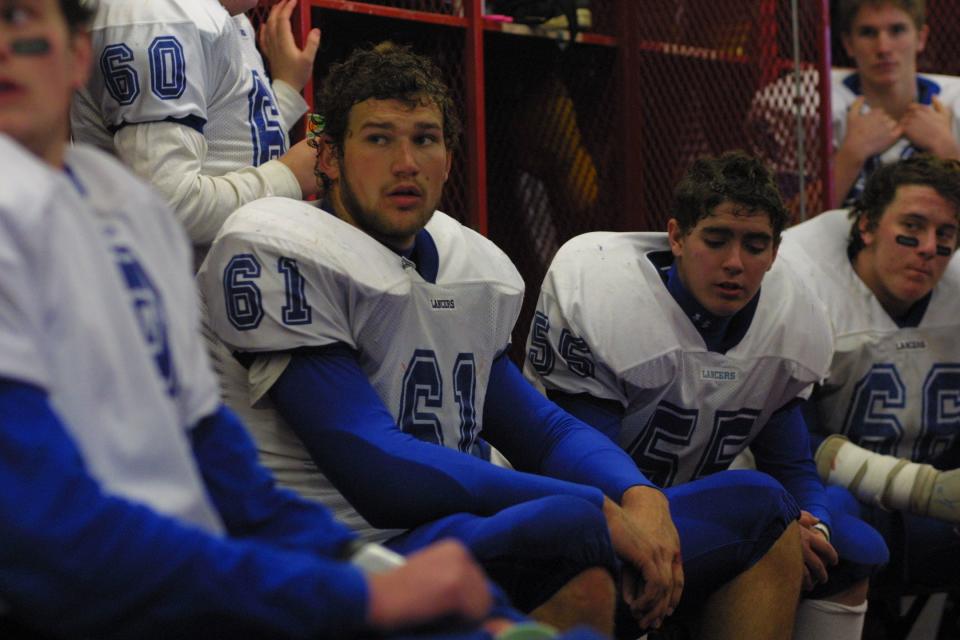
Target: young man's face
(722, 260)
(900, 262)
(41, 65)
(884, 42)
(390, 178)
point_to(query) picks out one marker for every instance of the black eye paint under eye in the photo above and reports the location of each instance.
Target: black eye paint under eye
(943, 250)
(908, 241)
(30, 46)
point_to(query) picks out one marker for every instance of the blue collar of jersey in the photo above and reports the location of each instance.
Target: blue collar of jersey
(423, 254)
(74, 179)
(926, 88)
(719, 333)
(914, 314)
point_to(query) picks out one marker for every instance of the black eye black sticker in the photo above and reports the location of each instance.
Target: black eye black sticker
(908, 241)
(30, 46)
(943, 250)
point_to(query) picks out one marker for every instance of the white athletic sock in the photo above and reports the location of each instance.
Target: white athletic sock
(825, 620)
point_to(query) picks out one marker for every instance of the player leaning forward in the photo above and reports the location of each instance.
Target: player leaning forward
(667, 343)
(886, 274)
(357, 341)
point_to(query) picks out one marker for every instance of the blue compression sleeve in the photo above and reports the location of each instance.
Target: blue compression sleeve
(76, 561)
(782, 449)
(393, 479)
(606, 416)
(249, 501)
(537, 435)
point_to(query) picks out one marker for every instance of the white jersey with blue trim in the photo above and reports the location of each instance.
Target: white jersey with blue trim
(185, 61)
(891, 389)
(845, 89)
(100, 312)
(606, 325)
(286, 275)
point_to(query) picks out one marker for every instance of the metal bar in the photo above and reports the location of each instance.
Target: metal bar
(826, 111)
(476, 129)
(389, 12)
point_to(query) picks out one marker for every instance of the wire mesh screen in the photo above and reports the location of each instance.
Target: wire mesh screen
(552, 144)
(719, 76)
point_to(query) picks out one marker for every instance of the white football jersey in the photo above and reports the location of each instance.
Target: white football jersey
(892, 390)
(844, 87)
(187, 61)
(100, 312)
(607, 326)
(283, 274)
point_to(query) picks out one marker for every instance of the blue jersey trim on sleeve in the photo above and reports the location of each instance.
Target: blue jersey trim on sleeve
(194, 122)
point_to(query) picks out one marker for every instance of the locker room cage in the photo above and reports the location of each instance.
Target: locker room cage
(563, 138)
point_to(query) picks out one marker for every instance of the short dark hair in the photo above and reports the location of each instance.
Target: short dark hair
(384, 72)
(942, 175)
(733, 177)
(847, 11)
(78, 13)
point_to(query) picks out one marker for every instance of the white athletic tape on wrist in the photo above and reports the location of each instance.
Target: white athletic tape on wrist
(874, 478)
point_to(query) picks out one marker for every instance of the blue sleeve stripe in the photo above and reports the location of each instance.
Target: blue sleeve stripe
(194, 122)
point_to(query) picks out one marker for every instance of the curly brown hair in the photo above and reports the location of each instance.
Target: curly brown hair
(78, 13)
(942, 175)
(847, 10)
(733, 177)
(384, 72)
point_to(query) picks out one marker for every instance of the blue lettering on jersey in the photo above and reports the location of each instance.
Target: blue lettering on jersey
(663, 443)
(423, 391)
(872, 419)
(119, 76)
(149, 310)
(269, 141)
(540, 354)
(168, 68)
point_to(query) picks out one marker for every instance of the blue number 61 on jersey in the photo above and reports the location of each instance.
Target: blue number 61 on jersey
(244, 300)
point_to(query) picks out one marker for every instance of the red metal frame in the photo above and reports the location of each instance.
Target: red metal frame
(388, 12)
(826, 112)
(476, 130)
(630, 49)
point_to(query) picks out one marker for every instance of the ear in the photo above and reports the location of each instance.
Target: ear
(776, 247)
(327, 160)
(82, 57)
(446, 169)
(847, 44)
(922, 38)
(676, 237)
(865, 234)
